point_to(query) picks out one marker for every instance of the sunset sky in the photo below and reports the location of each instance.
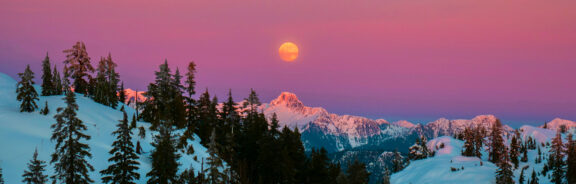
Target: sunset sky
(395, 59)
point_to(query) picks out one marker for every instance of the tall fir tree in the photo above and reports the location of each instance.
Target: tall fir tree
(79, 67)
(386, 177)
(251, 103)
(124, 159)
(533, 178)
(397, 162)
(48, 86)
(504, 174)
(191, 110)
(69, 157)
(556, 161)
(469, 143)
(122, 94)
(496, 143)
(521, 177)
(570, 159)
(26, 92)
(35, 173)
(357, 173)
(479, 135)
(57, 81)
(66, 88)
(515, 148)
(215, 164)
(1, 176)
(106, 83)
(164, 158)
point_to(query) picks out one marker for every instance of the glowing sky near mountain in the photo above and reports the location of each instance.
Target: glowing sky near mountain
(379, 58)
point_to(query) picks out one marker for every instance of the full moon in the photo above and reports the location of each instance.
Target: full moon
(288, 51)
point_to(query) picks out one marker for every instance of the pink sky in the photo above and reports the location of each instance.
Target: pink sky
(394, 59)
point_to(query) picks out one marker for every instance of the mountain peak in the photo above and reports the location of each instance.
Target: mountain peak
(288, 99)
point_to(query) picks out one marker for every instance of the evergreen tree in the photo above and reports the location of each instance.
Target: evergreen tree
(191, 110)
(124, 159)
(469, 144)
(504, 175)
(106, 83)
(496, 143)
(70, 165)
(57, 81)
(214, 162)
(207, 117)
(48, 86)
(26, 92)
(318, 167)
(534, 179)
(521, 178)
(357, 173)
(190, 79)
(66, 88)
(1, 177)
(251, 102)
(397, 162)
(164, 155)
(122, 94)
(571, 159)
(386, 177)
(416, 151)
(514, 148)
(187, 177)
(479, 133)
(79, 66)
(423, 143)
(35, 173)
(45, 110)
(557, 159)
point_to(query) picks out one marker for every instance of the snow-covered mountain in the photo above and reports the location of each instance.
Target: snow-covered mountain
(342, 132)
(334, 132)
(133, 96)
(21, 133)
(558, 123)
(445, 126)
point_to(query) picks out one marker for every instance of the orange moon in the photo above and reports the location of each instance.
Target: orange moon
(288, 51)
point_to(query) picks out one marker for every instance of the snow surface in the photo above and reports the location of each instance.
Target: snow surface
(21, 133)
(437, 169)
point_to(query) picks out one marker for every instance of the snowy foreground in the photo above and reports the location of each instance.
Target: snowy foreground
(21, 133)
(438, 169)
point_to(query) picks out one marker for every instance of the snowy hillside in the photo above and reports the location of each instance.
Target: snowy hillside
(437, 169)
(21, 133)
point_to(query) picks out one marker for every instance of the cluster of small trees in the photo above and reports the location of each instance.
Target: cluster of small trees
(254, 147)
(104, 88)
(419, 150)
(561, 160)
(473, 141)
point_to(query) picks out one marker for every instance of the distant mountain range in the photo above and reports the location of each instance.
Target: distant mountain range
(336, 133)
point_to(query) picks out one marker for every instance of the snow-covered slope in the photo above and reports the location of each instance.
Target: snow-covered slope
(437, 169)
(21, 133)
(540, 134)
